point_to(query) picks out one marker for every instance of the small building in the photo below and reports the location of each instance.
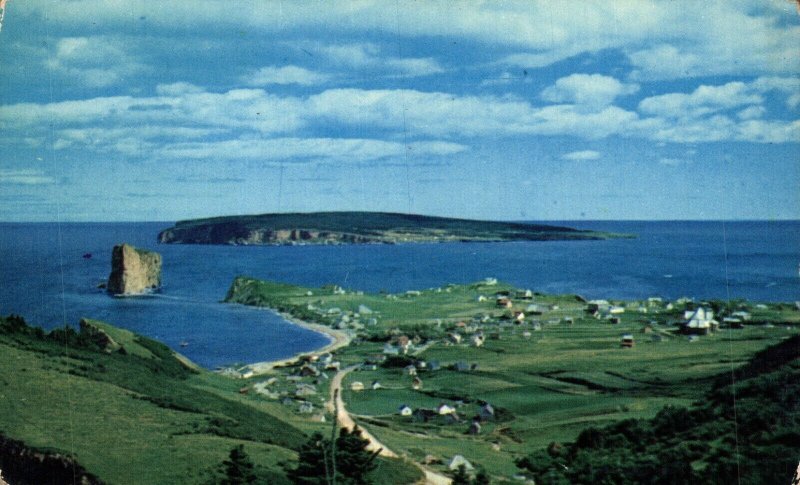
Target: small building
(454, 337)
(461, 366)
(616, 310)
(308, 371)
(626, 341)
(457, 461)
(486, 412)
(434, 365)
(306, 407)
(699, 322)
(503, 302)
(422, 415)
(477, 340)
(534, 309)
(376, 385)
(475, 427)
(526, 334)
(390, 349)
(416, 384)
(403, 343)
(519, 316)
(357, 386)
(481, 298)
(410, 369)
(569, 320)
(364, 310)
(445, 408)
(404, 410)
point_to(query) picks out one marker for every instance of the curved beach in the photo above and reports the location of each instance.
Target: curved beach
(338, 339)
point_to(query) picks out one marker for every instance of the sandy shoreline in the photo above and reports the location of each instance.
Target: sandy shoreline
(338, 339)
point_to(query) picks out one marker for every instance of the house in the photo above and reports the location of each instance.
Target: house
(519, 316)
(305, 390)
(744, 316)
(700, 321)
(733, 322)
(410, 369)
(403, 343)
(475, 427)
(454, 337)
(569, 320)
(335, 365)
(357, 386)
(368, 366)
(486, 412)
(376, 385)
(490, 281)
(306, 407)
(434, 365)
(461, 366)
(481, 298)
(526, 334)
(404, 410)
(422, 415)
(452, 418)
(390, 349)
(326, 358)
(626, 341)
(534, 309)
(616, 310)
(457, 461)
(416, 384)
(308, 371)
(477, 340)
(597, 305)
(445, 408)
(364, 310)
(503, 302)
(647, 329)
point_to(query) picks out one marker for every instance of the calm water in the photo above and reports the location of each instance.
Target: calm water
(46, 279)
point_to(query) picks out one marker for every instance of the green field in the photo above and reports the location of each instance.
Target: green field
(547, 385)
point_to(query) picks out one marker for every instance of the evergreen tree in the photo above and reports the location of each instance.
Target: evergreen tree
(460, 476)
(311, 459)
(353, 460)
(238, 468)
(481, 478)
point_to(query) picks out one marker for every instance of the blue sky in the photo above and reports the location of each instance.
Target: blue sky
(119, 110)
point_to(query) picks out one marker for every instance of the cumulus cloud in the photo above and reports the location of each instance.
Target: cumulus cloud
(96, 61)
(593, 90)
(369, 56)
(702, 101)
(581, 155)
(284, 75)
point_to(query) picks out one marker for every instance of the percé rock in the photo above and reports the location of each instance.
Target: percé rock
(133, 271)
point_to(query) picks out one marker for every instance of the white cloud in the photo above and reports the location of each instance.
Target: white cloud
(96, 61)
(330, 149)
(593, 90)
(663, 39)
(581, 155)
(25, 177)
(751, 112)
(673, 162)
(702, 101)
(284, 75)
(369, 56)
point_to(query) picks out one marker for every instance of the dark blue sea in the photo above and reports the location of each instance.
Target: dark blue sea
(46, 279)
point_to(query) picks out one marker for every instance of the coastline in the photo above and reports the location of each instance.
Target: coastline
(337, 340)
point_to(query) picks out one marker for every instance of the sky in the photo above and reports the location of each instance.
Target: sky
(112, 110)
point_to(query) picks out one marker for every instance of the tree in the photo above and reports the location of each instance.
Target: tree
(353, 460)
(238, 468)
(311, 462)
(481, 478)
(460, 476)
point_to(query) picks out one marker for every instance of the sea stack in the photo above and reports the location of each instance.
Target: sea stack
(133, 271)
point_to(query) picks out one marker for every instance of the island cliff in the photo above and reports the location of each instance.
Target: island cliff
(359, 228)
(133, 271)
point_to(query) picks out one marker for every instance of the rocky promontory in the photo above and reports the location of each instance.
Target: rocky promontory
(133, 271)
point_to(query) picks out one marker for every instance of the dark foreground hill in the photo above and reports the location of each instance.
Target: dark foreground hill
(359, 227)
(746, 430)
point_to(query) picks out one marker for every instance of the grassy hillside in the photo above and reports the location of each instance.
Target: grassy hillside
(130, 410)
(745, 430)
(358, 227)
(549, 377)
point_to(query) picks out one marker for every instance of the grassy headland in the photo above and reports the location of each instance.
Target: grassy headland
(548, 372)
(129, 410)
(359, 227)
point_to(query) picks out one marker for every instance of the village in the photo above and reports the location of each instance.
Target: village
(448, 374)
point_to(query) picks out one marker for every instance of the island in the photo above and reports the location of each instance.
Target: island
(361, 228)
(133, 271)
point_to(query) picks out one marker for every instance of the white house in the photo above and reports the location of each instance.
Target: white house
(445, 408)
(457, 461)
(404, 410)
(699, 321)
(357, 386)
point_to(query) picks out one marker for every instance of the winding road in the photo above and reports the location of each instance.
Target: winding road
(345, 420)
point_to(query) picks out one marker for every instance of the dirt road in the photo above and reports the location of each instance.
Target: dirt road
(345, 420)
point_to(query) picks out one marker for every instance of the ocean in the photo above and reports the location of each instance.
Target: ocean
(46, 280)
